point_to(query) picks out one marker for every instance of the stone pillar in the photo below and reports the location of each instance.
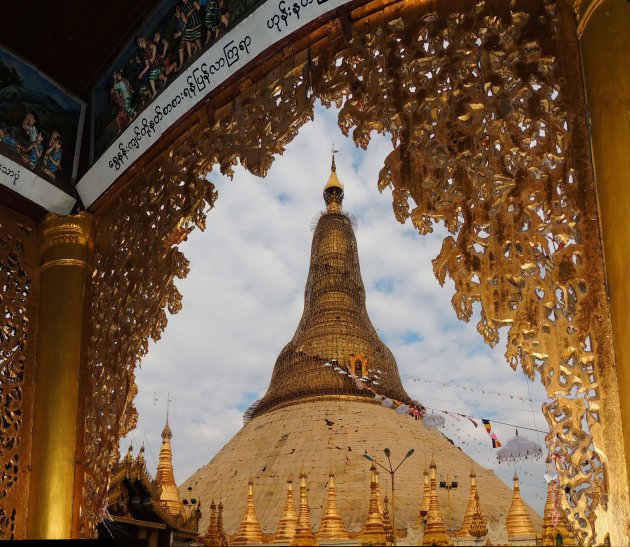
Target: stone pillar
(55, 481)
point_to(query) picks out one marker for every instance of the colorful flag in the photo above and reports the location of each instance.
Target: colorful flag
(496, 443)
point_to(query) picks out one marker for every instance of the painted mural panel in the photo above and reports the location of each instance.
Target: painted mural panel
(40, 124)
(174, 35)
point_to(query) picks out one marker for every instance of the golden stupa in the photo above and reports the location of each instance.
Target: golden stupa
(165, 477)
(315, 420)
(518, 523)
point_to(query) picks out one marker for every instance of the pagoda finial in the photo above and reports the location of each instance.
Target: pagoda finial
(165, 477)
(331, 525)
(473, 501)
(434, 531)
(519, 525)
(288, 523)
(249, 532)
(373, 532)
(333, 191)
(303, 531)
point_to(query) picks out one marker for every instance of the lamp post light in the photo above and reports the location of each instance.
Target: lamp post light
(190, 505)
(392, 470)
(449, 485)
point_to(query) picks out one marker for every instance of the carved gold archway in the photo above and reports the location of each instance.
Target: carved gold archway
(484, 105)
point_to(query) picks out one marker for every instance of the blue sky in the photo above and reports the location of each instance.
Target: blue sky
(244, 296)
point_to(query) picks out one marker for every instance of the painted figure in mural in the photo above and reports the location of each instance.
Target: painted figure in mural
(168, 64)
(152, 63)
(124, 89)
(122, 118)
(136, 67)
(192, 33)
(213, 20)
(28, 124)
(52, 159)
(9, 140)
(34, 151)
(180, 28)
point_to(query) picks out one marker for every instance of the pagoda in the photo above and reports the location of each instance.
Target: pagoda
(317, 419)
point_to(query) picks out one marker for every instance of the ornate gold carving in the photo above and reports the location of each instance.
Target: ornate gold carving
(484, 108)
(18, 305)
(136, 260)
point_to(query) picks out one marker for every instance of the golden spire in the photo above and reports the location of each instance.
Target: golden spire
(478, 526)
(434, 530)
(473, 500)
(387, 523)
(331, 525)
(519, 525)
(165, 478)
(426, 494)
(303, 530)
(220, 531)
(554, 520)
(373, 532)
(211, 536)
(335, 324)
(288, 523)
(249, 532)
(333, 191)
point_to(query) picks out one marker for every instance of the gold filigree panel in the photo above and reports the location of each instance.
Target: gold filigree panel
(19, 282)
(484, 106)
(135, 263)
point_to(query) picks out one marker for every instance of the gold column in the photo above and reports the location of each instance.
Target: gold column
(603, 29)
(54, 490)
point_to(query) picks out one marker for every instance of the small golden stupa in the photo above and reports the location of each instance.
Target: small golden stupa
(165, 477)
(249, 532)
(303, 529)
(374, 531)
(316, 418)
(434, 531)
(519, 525)
(288, 523)
(554, 520)
(331, 525)
(473, 502)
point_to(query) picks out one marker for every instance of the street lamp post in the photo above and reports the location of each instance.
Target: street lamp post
(391, 472)
(449, 485)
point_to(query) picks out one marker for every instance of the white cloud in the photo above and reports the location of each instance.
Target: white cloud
(243, 299)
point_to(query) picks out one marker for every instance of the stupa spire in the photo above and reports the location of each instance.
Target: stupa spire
(165, 477)
(374, 530)
(335, 329)
(387, 522)
(473, 499)
(519, 525)
(303, 531)
(331, 525)
(288, 523)
(554, 520)
(426, 494)
(211, 536)
(249, 532)
(434, 531)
